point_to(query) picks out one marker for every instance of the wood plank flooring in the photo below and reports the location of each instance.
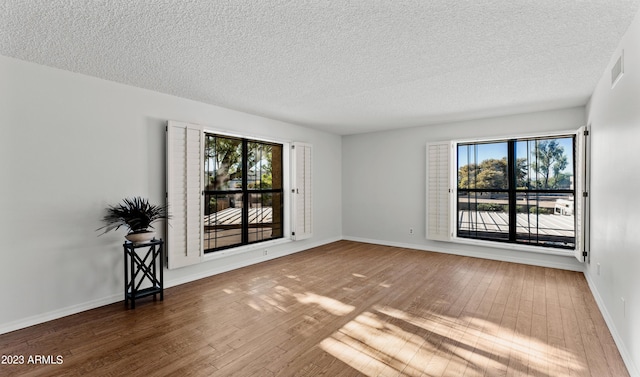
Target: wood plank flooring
(343, 309)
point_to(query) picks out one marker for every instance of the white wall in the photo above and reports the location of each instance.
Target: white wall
(614, 115)
(384, 182)
(71, 144)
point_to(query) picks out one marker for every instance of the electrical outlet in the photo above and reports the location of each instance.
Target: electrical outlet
(624, 307)
(598, 269)
(411, 231)
(265, 252)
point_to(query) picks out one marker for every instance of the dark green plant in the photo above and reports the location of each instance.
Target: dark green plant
(493, 207)
(534, 210)
(541, 210)
(136, 214)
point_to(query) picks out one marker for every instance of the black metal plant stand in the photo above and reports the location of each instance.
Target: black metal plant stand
(138, 269)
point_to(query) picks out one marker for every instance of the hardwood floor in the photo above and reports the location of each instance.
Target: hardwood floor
(343, 309)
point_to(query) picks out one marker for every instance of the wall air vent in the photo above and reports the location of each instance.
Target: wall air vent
(617, 70)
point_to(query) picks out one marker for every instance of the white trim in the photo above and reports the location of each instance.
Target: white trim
(439, 201)
(256, 137)
(184, 171)
(518, 136)
(244, 249)
(581, 185)
(59, 313)
(624, 353)
(296, 248)
(301, 172)
(570, 266)
(514, 246)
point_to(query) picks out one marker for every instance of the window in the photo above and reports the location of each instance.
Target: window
(243, 195)
(530, 190)
(517, 190)
(225, 191)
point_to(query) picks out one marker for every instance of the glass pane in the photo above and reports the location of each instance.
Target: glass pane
(483, 166)
(222, 220)
(483, 215)
(265, 216)
(238, 170)
(264, 166)
(545, 164)
(545, 219)
(223, 163)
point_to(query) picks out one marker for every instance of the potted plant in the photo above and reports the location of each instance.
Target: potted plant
(136, 214)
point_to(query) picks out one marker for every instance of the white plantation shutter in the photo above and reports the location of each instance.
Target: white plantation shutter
(302, 219)
(438, 193)
(184, 188)
(581, 201)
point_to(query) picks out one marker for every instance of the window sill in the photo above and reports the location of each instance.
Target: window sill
(515, 247)
(244, 249)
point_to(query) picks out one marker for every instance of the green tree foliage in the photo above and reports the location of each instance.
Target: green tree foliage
(225, 153)
(548, 161)
(521, 172)
(266, 180)
(562, 181)
(260, 164)
(225, 158)
(489, 174)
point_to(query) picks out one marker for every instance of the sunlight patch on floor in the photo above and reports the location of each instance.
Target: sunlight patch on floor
(272, 302)
(489, 334)
(390, 341)
(281, 297)
(333, 306)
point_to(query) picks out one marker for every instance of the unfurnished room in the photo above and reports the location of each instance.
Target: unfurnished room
(320, 188)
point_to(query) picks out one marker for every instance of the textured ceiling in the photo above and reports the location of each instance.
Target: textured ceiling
(342, 66)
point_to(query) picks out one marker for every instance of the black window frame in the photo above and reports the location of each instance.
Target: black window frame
(246, 192)
(512, 192)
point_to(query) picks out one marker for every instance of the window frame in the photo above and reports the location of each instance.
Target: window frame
(245, 192)
(441, 185)
(184, 178)
(512, 191)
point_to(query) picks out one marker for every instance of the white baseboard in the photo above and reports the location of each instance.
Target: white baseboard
(451, 249)
(74, 309)
(626, 356)
(304, 246)
(59, 313)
